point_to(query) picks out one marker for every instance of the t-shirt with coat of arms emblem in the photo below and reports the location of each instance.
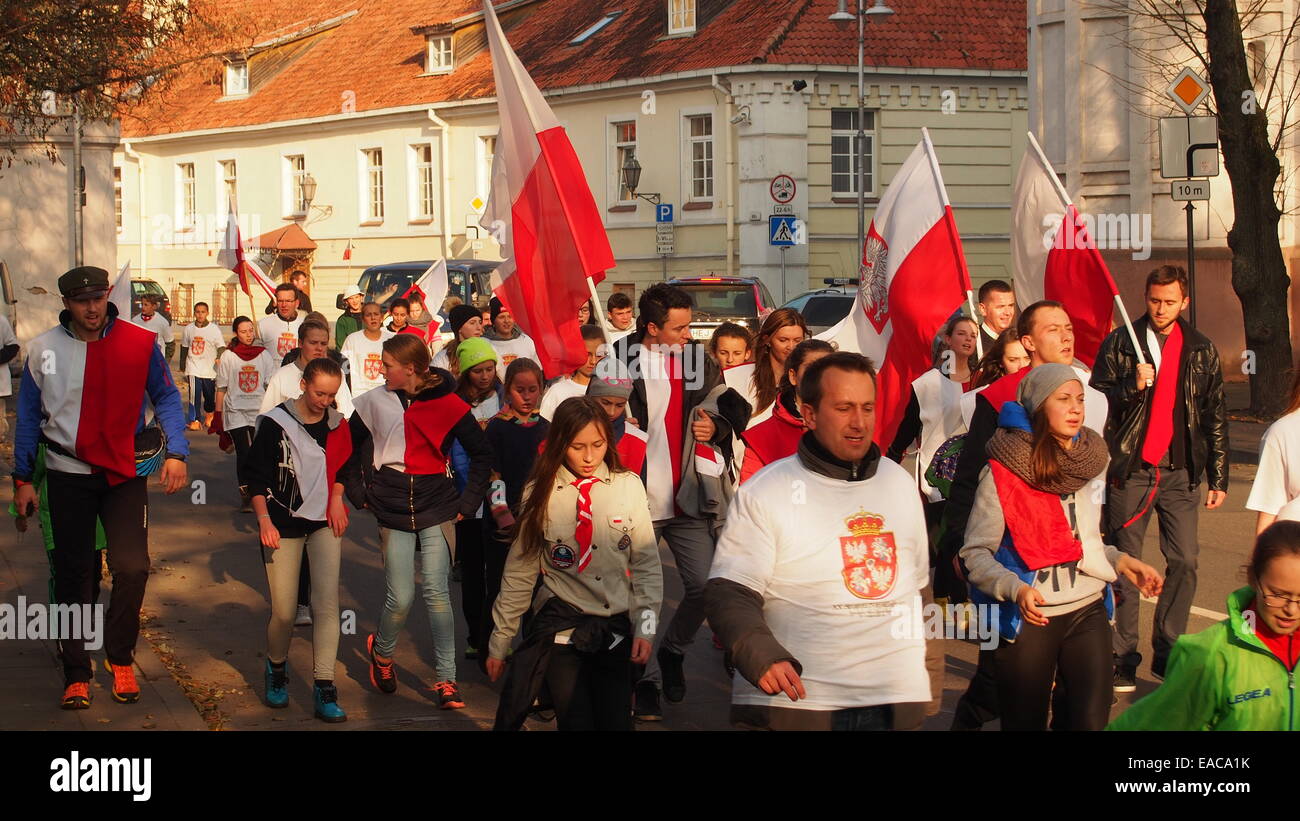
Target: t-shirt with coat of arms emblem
(244, 381)
(201, 358)
(840, 566)
(365, 359)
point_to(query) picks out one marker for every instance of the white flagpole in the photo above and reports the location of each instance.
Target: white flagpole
(1065, 202)
(943, 195)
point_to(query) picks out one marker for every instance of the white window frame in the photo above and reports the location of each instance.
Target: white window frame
(870, 150)
(484, 156)
(292, 185)
(689, 143)
(235, 70)
(681, 16)
(227, 183)
(117, 197)
(422, 184)
(620, 145)
(186, 200)
(439, 54)
(371, 199)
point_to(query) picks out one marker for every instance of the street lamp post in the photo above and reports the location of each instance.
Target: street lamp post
(842, 15)
(631, 172)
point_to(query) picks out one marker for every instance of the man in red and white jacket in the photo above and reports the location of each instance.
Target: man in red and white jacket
(83, 397)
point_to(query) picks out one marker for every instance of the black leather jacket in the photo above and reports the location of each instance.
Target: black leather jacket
(1206, 408)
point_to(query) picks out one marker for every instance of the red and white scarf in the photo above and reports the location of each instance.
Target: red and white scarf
(585, 527)
(1160, 422)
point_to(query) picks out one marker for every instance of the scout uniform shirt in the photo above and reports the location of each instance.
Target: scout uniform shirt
(622, 576)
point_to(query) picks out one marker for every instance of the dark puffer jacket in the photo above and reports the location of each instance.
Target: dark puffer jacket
(1206, 407)
(422, 495)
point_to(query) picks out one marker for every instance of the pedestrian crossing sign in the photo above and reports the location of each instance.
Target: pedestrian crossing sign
(781, 230)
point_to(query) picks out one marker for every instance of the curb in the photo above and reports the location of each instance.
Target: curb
(181, 711)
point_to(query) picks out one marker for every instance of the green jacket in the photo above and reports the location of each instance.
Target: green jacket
(343, 326)
(1222, 678)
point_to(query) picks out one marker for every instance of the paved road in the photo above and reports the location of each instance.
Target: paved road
(207, 608)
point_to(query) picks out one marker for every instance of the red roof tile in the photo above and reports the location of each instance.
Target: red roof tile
(374, 54)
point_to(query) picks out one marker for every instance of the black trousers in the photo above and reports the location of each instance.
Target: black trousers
(243, 439)
(75, 502)
(482, 557)
(1074, 646)
(591, 691)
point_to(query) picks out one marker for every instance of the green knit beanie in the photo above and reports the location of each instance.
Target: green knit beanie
(474, 351)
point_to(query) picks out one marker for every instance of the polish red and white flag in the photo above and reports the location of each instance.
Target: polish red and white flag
(232, 257)
(540, 209)
(912, 278)
(1054, 256)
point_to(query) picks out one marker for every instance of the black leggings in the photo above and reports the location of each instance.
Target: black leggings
(75, 502)
(1075, 646)
(591, 691)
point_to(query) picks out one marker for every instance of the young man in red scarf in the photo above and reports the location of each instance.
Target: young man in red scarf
(1168, 428)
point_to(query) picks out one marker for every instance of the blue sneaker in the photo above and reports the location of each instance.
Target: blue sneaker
(277, 691)
(327, 708)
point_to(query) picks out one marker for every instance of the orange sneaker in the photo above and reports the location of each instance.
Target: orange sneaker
(76, 696)
(448, 695)
(125, 690)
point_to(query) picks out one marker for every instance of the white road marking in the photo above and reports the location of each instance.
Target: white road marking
(1199, 611)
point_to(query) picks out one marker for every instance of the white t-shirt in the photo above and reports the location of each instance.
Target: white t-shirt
(840, 566)
(365, 360)
(511, 349)
(7, 338)
(1275, 481)
(159, 325)
(286, 383)
(278, 336)
(201, 358)
(613, 334)
(565, 388)
(244, 383)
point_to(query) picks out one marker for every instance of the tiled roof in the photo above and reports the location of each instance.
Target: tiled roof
(373, 59)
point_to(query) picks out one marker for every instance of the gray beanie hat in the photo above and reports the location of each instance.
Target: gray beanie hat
(610, 378)
(1034, 389)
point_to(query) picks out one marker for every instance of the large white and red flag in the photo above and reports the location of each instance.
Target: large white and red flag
(119, 293)
(431, 286)
(232, 256)
(541, 210)
(1054, 257)
(912, 278)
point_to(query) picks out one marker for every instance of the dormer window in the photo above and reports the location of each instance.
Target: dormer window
(439, 60)
(236, 78)
(681, 16)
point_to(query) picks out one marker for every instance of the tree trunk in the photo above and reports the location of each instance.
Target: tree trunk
(1259, 274)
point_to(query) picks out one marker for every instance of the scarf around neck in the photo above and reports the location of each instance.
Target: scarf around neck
(245, 352)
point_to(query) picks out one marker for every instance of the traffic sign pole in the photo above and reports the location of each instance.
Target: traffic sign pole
(1191, 263)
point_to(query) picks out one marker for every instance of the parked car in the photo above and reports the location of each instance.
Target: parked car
(824, 308)
(140, 287)
(742, 300)
(466, 278)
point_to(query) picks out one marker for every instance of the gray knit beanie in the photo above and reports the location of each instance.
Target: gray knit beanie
(610, 378)
(1034, 389)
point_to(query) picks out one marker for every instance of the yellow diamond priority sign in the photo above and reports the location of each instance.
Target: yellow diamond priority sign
(1188, 90)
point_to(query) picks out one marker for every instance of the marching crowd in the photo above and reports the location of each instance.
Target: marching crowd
(801, 542)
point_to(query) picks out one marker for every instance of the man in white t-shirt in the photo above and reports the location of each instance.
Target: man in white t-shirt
(821, 572)
(201, 344)
(621, 319)
(567, 387)
(8, 350)
(1277, 481)
(150, 318)
(364, 350)
(314, 342)
(279, 331)
(508, 340)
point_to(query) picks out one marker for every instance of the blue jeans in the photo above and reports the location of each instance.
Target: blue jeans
(399, 577)
(203, 392)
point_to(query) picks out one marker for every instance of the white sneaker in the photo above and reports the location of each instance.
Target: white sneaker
(304, 616)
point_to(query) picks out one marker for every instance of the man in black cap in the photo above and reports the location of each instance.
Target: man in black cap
(82, 400)
(508, 339)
